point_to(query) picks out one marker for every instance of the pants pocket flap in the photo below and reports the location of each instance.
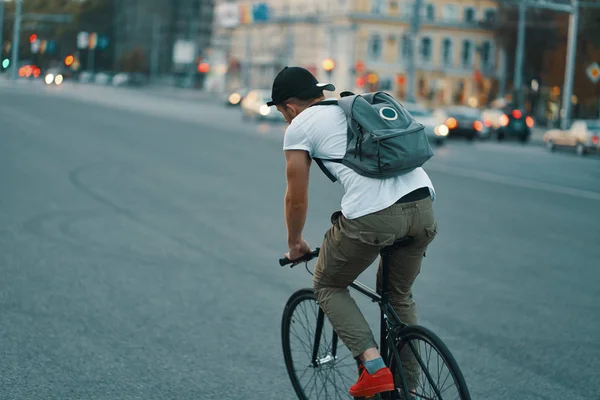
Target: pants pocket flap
(376, 238)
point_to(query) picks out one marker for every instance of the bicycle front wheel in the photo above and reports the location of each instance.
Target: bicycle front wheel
(330, 374)
(429, 369)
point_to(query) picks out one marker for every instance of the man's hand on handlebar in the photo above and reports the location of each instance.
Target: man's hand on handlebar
(304, 258)
(298, 250)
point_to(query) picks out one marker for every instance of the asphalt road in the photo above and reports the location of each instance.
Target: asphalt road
(139, 239)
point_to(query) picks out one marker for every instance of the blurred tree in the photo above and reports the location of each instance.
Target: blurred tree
(541, 36)
(133, 61)
(88, 15)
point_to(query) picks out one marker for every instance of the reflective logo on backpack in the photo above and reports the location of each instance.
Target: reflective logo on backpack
(388, 113)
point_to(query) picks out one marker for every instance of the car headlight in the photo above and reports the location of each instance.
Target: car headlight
(441, 130)
(235, 98)
(58, 80)
(49, 79)
(264, 110)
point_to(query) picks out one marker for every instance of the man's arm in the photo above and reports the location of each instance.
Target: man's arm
(296, 195)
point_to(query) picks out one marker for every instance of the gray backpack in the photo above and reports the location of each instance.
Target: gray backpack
(384, 140)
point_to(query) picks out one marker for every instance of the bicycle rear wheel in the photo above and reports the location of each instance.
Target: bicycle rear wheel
(334, 370)
(430, 370)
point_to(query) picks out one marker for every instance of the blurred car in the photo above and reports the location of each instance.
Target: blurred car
(102, 78)
(254, 106)
(54, 76)
(86, 77)
(509, 122)
(464, 121)
(236, 96)
(436, 130)
(584, 136)
(120, 79)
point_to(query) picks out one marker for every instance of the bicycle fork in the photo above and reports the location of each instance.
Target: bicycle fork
(315, 360)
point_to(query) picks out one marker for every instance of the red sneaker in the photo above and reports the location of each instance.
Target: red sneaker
(369, 385)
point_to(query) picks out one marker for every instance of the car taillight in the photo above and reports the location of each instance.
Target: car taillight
(478, 126)
(517, 114)
(595, 139)
(451, 123)
(529, 121)
(504, 120)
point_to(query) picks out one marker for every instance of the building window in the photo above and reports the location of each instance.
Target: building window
(490, 15)
(426, 50)
(450, 12)
(470, 14)
(405, 47)
(430, 12)
(375, 47)
(486, 54)
(378, 6)
(447, 51)
(467, 53)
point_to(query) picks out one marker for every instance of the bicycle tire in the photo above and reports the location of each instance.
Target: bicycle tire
(293, 302)
(418, 332)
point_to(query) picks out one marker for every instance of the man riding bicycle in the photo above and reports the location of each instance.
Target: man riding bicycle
(374, 213)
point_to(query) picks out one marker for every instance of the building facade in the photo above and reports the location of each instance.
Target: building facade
(154, 26)
(457, 59)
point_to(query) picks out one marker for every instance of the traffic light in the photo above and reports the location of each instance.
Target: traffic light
(5, 63)
(69, 60)
(328, 64)
(32, 38)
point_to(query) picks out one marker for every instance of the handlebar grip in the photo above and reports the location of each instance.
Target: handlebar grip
(306, 257)
(284, 261)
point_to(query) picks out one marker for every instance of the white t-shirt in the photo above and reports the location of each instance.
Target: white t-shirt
(322, 132)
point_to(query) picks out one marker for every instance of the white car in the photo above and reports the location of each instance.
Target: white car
(436, 130)
(254, 106)
(584, 136)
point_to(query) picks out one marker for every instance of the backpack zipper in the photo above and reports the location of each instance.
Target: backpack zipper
(396, 133)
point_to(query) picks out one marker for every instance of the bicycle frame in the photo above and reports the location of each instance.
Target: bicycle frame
(390, 321)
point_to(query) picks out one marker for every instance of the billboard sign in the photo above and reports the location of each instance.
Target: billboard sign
(184, 52)
(227, 15)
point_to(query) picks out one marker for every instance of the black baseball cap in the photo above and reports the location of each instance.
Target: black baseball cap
(296, 82)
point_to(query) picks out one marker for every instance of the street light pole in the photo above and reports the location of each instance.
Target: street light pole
(16, 36)
(411, 67)
(518, 79)
(570, 68)
(1, 27)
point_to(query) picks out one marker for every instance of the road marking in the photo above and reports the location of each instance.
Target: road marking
(517, 182)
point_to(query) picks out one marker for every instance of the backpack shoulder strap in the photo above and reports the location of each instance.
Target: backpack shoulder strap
(346, 104)
(325, 103)
(325, 170)
(319, 161)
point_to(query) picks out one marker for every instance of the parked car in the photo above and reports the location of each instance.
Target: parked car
(436, 130)
(254, 106)
(463, 121)
(583, 136)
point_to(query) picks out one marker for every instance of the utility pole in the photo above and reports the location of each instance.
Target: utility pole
(1, 27)
(520, 56)
(412, 59)
(570, 68)
(155, 49)
(248, 63)
(92, 57)
(16, 36)
(193, 37)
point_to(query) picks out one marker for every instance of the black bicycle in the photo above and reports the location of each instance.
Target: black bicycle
(320, 365)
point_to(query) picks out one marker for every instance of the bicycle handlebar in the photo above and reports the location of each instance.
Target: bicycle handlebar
(305, 258)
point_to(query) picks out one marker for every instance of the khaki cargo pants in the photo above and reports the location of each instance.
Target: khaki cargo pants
(351, 246)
